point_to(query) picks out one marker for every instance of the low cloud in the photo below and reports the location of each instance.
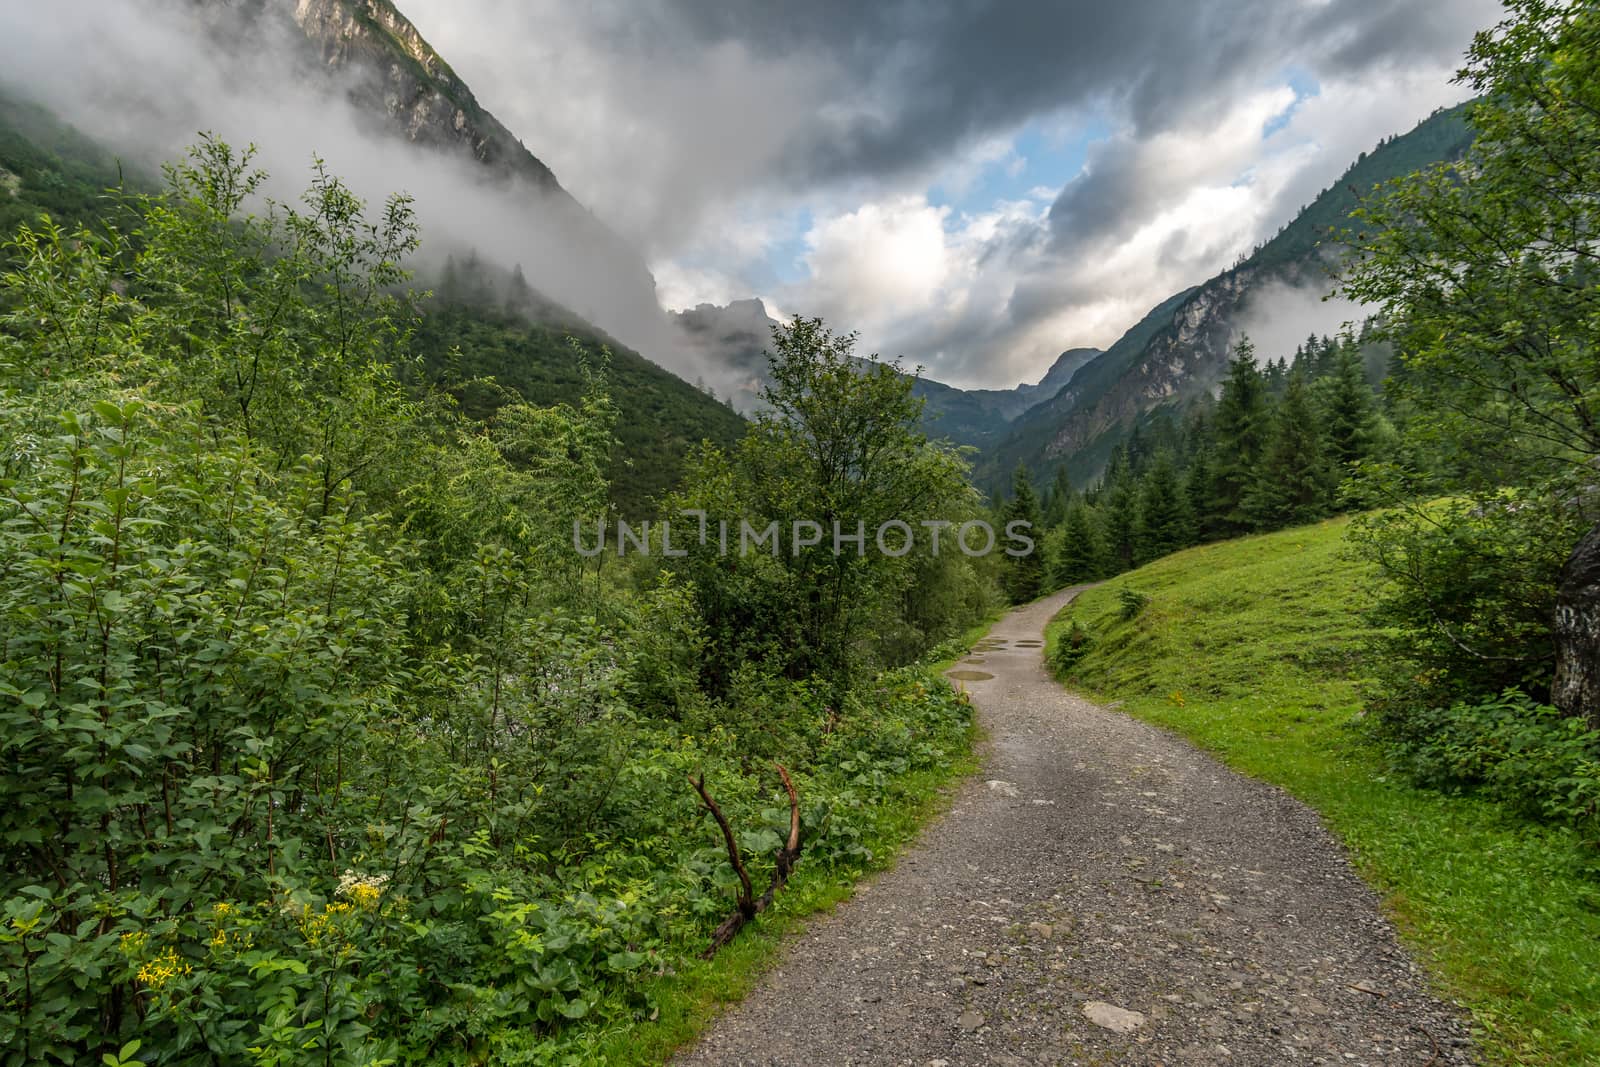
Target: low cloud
(145, 78)
(689, 123)
(1280, 316)
(795, 152)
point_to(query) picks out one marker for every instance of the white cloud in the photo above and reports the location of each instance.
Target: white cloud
(991, 304)
(880, 261)
(656, 149)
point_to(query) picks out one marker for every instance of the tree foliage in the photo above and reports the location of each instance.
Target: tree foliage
(1485, 271)
(321, 743)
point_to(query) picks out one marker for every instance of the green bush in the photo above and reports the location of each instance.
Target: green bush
(1070, 647)
(318, 742)
(1527, 755)
(1133, 602)
(1467, 600)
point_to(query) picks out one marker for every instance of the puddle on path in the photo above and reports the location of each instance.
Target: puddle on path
(971, 676)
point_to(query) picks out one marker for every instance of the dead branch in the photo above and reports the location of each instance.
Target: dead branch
(745, 903)
(747, 908)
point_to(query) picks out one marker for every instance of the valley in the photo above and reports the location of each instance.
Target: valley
(1210, 675)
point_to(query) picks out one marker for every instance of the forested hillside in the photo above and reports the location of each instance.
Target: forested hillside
(321, 737)
(486, 347)
(1179, 351)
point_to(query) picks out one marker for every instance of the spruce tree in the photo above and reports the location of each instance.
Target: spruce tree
(1118, 521)
(1347, 409)
(1138, 450)
(1239, 431)
(1197, 490)
(1275, 376)
(1294, 483)
(519, 294)
(1055, 512)
(1023, 576)
(1165, 523)
(1081, 557)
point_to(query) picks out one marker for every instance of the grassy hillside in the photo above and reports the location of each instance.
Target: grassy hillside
(1255, 650)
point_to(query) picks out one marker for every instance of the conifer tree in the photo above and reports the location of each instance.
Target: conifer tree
(1294, 483)
(1240, 432)
(1055, 511)
(1081, 557)
(1347, 409)
(1023, 577)
(1118, 520)
(1164, 523)
(519, 294)
(1197, 490)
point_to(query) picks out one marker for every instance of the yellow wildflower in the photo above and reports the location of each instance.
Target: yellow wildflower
(366, 896)
(161, 970)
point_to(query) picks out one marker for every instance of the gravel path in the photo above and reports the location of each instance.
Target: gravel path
(1101, 894)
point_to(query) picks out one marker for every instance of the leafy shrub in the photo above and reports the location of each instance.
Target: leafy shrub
(1467, 599)
(318, 744)
(1071, 646)
(1528, 755)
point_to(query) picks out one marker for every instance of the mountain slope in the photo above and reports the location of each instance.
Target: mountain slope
(48, 167)
(1180, 349)
(734, 337)
(983, 417)
(393, 75)
(659, 415)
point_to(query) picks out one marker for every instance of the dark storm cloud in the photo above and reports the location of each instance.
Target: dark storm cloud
(923, 78)
(699, 126)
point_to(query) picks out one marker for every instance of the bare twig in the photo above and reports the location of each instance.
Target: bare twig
(1436, 1057)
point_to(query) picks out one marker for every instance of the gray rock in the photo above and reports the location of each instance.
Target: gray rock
(1110, 1017)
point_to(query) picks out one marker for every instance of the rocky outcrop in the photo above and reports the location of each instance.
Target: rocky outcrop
(1186, 357)
(733, 340)
(401, 86)
(401, 77)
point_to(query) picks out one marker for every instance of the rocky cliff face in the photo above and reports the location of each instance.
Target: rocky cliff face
(1187, 356)
(406, 81)
(733, 339)
(401, 86)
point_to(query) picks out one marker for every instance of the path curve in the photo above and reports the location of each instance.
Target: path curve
(1097, 866)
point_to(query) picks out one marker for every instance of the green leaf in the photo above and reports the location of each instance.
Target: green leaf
(625, 961)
